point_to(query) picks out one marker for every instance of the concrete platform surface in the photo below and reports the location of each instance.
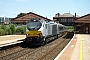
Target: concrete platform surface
(77, 49)
(10, 38)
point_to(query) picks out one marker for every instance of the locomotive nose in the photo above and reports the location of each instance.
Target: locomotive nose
(34, 33)
(31, 29)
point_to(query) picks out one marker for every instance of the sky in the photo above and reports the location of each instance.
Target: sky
(46, 8)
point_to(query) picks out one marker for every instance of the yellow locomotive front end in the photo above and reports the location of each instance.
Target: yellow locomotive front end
(33, 36)
(33, 33)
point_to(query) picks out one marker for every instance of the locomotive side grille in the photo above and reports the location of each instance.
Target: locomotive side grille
(49, 29)
(54, 29)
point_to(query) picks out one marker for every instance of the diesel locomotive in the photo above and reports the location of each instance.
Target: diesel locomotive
(39, 32)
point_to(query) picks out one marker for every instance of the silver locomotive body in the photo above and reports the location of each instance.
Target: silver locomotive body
(40, 31)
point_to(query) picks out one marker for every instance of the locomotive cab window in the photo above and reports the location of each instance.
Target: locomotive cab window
(34, 25)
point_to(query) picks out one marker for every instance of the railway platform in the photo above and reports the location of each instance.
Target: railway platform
(10, 39)
(77, 49)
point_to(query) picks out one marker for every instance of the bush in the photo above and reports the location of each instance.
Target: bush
(11, 30)
(2, 32)
(4, 27)
(21, 30)
(12, 27)
(8, 31)
(70, 28)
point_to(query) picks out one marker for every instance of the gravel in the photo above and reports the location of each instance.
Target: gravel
(20, 53)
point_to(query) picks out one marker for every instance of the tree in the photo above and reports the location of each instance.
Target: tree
(8, 31)
(21, 30)
(2, 32)
(21, 14)
(12, 27)
(4, 27)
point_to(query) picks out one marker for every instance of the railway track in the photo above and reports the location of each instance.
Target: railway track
(18, 53)
(44, 51)
(59, 47)
(43, 56)
(6, 51)
(39, 53)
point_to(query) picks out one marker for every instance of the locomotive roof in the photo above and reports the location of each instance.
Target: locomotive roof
(51, 23)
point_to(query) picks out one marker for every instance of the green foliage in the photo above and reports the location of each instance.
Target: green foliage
(21, 14)
(21, 30)
(71, 28)
(12, 27)
(2, 32)
(4, 27)
(8, 31)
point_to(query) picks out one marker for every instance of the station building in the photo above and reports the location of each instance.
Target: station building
(82, 24)
(66, 19)
(24, 19)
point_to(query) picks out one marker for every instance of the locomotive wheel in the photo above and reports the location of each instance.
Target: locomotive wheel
(44, 41)
(57, 37)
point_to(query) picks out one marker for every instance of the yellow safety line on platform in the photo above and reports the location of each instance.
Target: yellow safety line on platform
(80, 48)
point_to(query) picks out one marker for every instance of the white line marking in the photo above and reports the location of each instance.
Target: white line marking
(11, 43)
(63, 49)
(9, 35)
(72, 45)
(14, 42)
(74, 39)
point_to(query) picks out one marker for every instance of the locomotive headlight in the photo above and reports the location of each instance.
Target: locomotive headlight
(27, 35)
(39, 35)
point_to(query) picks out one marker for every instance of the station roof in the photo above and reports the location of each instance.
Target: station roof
(65, 15)
(83, 19)
(28, 16)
